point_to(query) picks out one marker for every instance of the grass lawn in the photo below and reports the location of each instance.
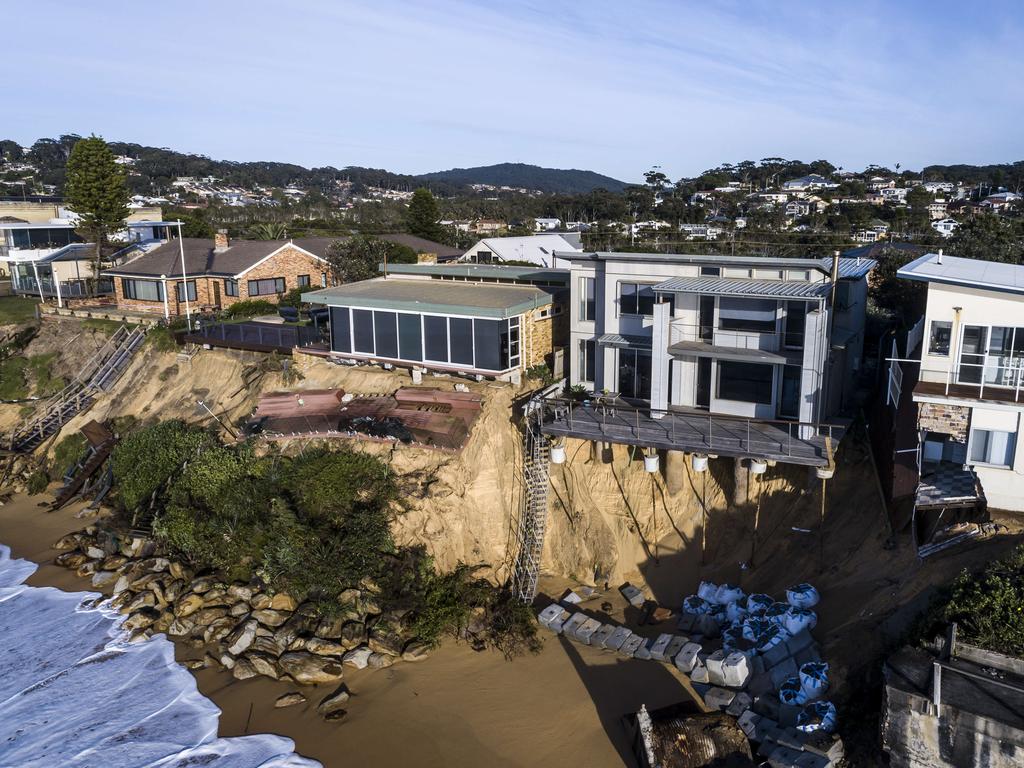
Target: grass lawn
(103, 325)
(13, 382)
(17, 309)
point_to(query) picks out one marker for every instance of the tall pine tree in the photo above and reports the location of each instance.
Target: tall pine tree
(95, 189)
(421, 218)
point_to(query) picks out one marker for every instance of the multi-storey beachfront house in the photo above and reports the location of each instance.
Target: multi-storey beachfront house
(969, 387)
(746, 355)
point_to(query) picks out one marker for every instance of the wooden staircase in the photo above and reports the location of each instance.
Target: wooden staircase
(98, 376)
(83, 472)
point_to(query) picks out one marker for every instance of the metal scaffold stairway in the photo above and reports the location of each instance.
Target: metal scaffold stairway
(533, 518)
(99, 375)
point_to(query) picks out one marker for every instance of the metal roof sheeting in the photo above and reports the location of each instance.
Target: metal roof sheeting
(684, 349)
(973, 273)
(735, 286)
(621, 342)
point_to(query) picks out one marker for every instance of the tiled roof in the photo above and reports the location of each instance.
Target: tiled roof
(201, 259)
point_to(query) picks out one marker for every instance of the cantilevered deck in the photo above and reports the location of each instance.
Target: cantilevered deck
(692, 432)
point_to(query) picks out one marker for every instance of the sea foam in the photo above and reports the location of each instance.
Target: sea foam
(73, 692)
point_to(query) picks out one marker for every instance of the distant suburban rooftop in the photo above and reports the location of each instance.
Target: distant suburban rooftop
(201, 259)
(848, 267)
(972, 273)
(422, 245)
(737, 286)
(429, 296)
(483, 272)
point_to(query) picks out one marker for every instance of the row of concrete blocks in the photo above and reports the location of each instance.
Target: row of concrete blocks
(783, 746)
(731, 670)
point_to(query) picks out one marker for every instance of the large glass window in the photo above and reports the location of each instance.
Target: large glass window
(362, 331)
(796, 317)
(460, 336)
(745, 382)
(267, 287)
(989, 446)
(410, 337)
(341, 330)
(972, 354)
(1005, 356)
(636, 299)
(635, 374)
(938, 338)
(142, 290)
(743, 314)
(385, 334)
(435, 338)
(179, 290)
(487, 334)
(588, 353)
(587, 298)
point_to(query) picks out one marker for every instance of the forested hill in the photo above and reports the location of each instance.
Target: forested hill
(555, 180)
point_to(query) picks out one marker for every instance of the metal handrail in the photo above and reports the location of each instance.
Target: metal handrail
(765, 341)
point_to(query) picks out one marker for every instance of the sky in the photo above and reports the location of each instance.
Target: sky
(614, 87)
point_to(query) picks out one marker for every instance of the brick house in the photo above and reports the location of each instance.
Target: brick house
(218, 273)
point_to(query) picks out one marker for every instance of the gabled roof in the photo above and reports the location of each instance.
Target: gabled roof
(201, 259)
(539, 249)
(970, 273)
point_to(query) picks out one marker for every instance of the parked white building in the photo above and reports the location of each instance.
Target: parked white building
(970, 402)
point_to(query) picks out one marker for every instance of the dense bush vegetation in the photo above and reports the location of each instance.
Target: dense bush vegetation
(250, 308)
(313, 525)
(988, 607)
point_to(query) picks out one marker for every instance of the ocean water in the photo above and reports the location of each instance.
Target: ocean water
(74, 693)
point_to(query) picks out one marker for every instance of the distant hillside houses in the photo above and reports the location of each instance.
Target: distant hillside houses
(811, 181)
(945, 227)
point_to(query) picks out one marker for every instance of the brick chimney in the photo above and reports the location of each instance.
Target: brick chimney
(220, 240)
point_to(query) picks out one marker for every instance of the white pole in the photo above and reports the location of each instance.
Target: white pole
(184, 280)
(39, 286)
(56, 284)
(167, 310)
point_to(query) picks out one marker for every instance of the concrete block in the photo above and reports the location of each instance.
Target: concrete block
(767, 705)
(808, 654)
(760, 684)
(586, 630)
(740, 704)
(799, 641)
(631, 645)
(632, 594)
(780, 673)
(699, 674)
(674, 647)
(767, 747)
(553, 611)
(811, 760)
(659, 646)
(644, 650)
(736, 670)
(827, 745)
(775, 655)
(557, 624)
(783, 757)
(573, 623)
(599, 638)
(686, 624)
(686, 659)
(748, 721)
(719, 698)
(765, 729)
(756, 664)
(617, 638)
(715, 664)
(790, 737)
(571, 598)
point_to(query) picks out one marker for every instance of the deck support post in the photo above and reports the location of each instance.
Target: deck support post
(675, 471)
(741, 483)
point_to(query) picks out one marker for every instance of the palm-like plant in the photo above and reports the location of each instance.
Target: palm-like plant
(270, 230)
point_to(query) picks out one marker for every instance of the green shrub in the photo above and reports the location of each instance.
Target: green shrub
(38, 481)
(162, 338)
(329, 486)
(68, 452)
(145, 459)
(541, 371)
(988, 607)
(292, 298)
(251, 307)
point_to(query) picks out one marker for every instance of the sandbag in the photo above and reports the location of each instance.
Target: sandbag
(759, 602)
(771, 637)
(791, 693)
(707, 591)
(735, 613)
(754, 627)
(776, 612)
(731, 638)
(814, 679)
(802, 596)
(728, 593)
(817, 716)
(796, 620)
(695, 606)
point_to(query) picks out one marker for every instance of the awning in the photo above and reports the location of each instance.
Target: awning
(683, 349)
(735, 286)
(621, 342)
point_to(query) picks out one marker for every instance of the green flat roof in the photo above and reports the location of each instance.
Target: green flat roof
(433, 297)
(481, 271)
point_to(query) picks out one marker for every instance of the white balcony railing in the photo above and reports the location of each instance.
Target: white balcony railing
(680, 331)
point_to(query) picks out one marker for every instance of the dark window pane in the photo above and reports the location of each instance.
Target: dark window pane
(303, 281)
(341, 340)
(488, 337)
(751, 315)
(627, 298)
(230, 287)
(635, 374)
(435, 338)
(362, 331)
(645, 300)
(385, 331)
(796, 315)
(745, 382)
(461, 331)
(938, 343)
(410, 345)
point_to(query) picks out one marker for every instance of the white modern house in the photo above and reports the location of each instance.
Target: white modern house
(945, 227)
(531, 249)
(969, 389)
(546, 224)
(776, 341)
